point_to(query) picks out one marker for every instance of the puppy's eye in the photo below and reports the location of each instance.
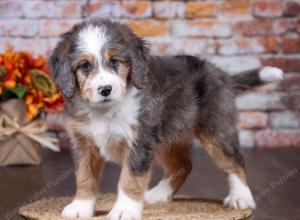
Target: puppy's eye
(85, 67)
(113, 63)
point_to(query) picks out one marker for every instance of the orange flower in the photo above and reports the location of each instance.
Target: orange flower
(16, 70)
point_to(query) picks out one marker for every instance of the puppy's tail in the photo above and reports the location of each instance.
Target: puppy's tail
(247, 80)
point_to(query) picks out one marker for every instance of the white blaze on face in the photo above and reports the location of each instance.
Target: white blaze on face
(91, 40)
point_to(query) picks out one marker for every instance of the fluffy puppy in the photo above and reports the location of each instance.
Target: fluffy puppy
(131, 108)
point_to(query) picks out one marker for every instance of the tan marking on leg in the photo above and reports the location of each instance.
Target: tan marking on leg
(90, 163)
(222, 158)
(176, 162)
(133, 185)
(87, 177)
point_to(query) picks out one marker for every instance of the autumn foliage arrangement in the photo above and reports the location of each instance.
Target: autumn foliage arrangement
(25, 77)
(26, 91)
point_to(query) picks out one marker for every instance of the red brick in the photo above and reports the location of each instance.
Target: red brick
(56, 27)
(268, 8)
(277, 138)
(291, 9)
(253, 120)
(201, 9)
(102, 8)
(137, 9)
(201, 28)
(19, 27)
(248, 45)
(292, 65)
(291, 44)
(291, 83)
(255, 27)
(165, 9)
(235, 8)
(276, 62)
(298, 25)
(11, 8)
(295, 142)
(287, 64)
(69, 9)
(293, 101)
(148, 27)
(270, 44)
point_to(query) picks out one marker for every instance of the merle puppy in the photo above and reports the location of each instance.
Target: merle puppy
(131, 108)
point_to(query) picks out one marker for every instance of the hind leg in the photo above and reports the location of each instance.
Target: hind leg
(232, 163)
(177, 165)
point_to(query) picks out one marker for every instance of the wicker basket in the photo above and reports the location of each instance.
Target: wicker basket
(180, 208)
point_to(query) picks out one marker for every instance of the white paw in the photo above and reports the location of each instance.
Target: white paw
(126, 208)
(122, 213)
(240, 196)
(79, 209)
(239, 202)
(271, 74)
(160, 193)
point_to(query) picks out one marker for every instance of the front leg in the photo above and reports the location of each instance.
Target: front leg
(132, 186)
(87, 177)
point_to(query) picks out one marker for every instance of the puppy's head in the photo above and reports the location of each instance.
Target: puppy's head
(99, 60)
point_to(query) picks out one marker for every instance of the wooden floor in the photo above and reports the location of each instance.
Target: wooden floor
(273, 176)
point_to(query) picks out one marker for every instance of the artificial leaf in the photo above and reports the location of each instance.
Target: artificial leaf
(19, 91)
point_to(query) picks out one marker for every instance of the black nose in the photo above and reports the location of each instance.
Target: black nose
(104, 90)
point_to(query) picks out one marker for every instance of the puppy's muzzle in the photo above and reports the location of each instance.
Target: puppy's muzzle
(104, 90)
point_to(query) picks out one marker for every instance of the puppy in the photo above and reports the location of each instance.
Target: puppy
(131, 108)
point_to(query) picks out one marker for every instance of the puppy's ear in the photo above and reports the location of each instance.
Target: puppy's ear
(139, 60)
(60, 68)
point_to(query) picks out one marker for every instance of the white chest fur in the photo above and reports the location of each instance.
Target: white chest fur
(114, 129)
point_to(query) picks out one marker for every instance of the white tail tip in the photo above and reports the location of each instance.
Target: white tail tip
(270, 74)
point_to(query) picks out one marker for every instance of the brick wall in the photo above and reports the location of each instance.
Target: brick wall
(234, 34)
